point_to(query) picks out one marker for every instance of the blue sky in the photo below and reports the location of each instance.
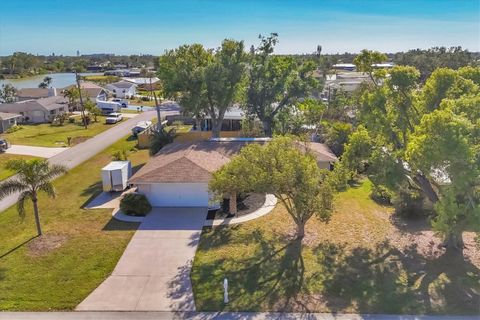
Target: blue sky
(151, 26)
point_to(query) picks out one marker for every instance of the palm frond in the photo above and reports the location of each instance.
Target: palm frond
(48, 188)
(24, 196)
(11, 186)
(53, 171)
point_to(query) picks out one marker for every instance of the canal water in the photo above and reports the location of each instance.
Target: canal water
(59, 80)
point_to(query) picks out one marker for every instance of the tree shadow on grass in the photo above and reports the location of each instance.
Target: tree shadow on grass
(387, 280)
(3, 255)
(269, 278)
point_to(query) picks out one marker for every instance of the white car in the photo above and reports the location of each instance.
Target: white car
(123, 102)
(113, 118)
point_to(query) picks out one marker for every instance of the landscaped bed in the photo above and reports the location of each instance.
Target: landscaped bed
(46, 135)
(246, 204)
(79, 248)
(364, 260)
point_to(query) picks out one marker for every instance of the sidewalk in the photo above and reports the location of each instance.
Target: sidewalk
(214, 315)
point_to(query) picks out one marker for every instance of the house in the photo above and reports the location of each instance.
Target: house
(122, 89)
(93, 91)
(37, 111)
(35, 93)
(8, 120)
(232, 120)
(178, 175)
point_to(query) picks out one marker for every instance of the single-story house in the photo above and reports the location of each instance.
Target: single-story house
(35, 93)
(37, 111)
(178, 175)
(93, 91)
(122, 89)
(8, 120)
(232, 120)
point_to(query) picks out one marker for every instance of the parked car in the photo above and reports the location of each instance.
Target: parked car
(141, 126)
(123, 102)
(113, 118)
(4, 145)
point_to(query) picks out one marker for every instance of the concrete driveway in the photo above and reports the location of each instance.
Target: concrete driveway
(42, 152)
(153, 273)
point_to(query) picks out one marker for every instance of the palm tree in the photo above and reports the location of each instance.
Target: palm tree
(32, 177)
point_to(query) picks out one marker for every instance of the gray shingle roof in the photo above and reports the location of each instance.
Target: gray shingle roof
(43, 104)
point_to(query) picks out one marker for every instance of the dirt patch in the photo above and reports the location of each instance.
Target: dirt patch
(45, 244)
(77, 140)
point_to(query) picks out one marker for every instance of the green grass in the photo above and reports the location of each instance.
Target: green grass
(4, 158)
(80, 247)
(46, 135)
(358, 262)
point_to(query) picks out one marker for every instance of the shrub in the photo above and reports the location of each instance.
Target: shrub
(381, 194)
(71, 120)
(13, 129)
(145, 98)
(409, 204)
(135, 204)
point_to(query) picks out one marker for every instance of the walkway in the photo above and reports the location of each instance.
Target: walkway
(214, 315)
(42, 152)
(153, 273)
(267, 207)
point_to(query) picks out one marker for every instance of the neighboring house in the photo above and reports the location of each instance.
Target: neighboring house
(93, 91)
(35, 93)
(178, 175)
(232, 120)
(37, 111)
(122, 89)
(8, 120)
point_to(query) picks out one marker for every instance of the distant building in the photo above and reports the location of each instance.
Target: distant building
(37, 111)
(35, 93)
(8, 120)
(94, 92)
(123, 89)
(344, 66)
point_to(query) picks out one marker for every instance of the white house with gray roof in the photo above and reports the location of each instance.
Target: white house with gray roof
(123, 89)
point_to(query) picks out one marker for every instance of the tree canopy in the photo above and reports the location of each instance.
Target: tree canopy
(206, 82)
(275, 82)
(426, 140)
(283, 169)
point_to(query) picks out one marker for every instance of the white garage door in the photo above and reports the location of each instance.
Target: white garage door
(176, 194)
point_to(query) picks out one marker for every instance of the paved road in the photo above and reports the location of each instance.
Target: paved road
(43, 152)
(81, 152)
(153, 273)
(214, 315)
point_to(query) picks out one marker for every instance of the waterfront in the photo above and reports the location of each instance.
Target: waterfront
(59, 80)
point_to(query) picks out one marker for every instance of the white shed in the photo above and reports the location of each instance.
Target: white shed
(115, 175)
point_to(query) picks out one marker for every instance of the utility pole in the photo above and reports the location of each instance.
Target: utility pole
(77, 78)
(157, 107)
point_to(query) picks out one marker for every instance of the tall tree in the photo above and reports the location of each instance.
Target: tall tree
(423, 141)
(206, 82)
(366, 60)
(31, 177)
(275, 82)
(282, 168)
(8, 93)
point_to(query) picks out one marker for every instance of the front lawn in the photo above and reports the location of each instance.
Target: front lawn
(364, 260)
(4, 158)
(80, 247)
(46, 135)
